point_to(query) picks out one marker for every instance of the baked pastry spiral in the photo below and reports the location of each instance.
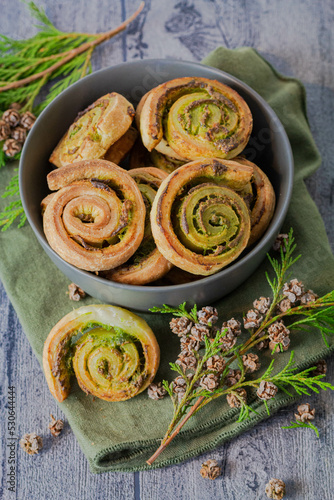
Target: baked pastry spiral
(200, 221)
(147, 264)
(192, 118)
(262, 204)
(95, 130)
(95, 220)
(115, 358)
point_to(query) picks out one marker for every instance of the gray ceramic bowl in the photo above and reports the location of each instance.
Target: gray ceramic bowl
(269, 147)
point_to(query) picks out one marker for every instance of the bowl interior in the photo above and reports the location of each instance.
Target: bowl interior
(268, 146)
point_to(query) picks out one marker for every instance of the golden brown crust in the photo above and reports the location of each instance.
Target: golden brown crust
(81, 170)
(264, 206)
(45, 202)
(154, 267)
(118, 151)
(155, 103)
(156, 173)
(95, 221)
(206, 189)
(95, 130)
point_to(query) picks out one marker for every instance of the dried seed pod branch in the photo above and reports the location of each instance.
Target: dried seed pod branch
(28, 65)
(216, 349)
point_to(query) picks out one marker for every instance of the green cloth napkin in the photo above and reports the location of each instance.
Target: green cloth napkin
(122, 436)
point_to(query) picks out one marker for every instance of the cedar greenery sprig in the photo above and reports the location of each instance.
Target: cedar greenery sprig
(196, 387)
(180, 311)
(27, 66)
(298, 425)
(15, 209)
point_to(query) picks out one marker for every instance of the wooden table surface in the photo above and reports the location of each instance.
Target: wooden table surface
(297, 37)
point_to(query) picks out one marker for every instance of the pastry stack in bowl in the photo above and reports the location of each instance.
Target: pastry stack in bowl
(189, 199)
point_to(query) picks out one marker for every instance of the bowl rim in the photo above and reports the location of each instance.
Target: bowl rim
(260, 245)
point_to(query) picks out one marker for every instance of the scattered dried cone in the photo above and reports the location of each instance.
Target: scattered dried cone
(4, 130)
(293, 290)
(305, 414)
(75, 292)
(234, 326)
(181, 326)
(11, 147)
(266, 390)
(321, 368)
(281, 242)
(275, 489)
(235, 400)
(227, 342)
(12, 117)
(229, 337)
(216, 363)
(251, 362)
(210, 469)
(31, 443)
(208, 315)
(156, 391)
(189, 344)
(15, 105)
(252, 319)
(277, 331)
(19, 134)
(284, 305)
(277, 347)
(262, 304)
(199, 332)
(233, 377)
(278, 336)
(209, 382)
(186, 360)
(179, 385)
(27, 120)
(308, 297)
(262, 345)
(55, 426)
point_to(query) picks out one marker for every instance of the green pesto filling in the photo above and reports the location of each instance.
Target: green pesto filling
(118, 335)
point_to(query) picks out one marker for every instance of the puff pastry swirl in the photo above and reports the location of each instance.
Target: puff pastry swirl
(96, 218)
(115, 357)
(94, 130)
(200, 221)
(192, 118)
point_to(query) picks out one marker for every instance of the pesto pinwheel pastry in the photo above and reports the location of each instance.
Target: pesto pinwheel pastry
(262, 203)
(94, 130)
(200, 221)
(114, 354)
(96, 218)
(192, 118)
(147, 264)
